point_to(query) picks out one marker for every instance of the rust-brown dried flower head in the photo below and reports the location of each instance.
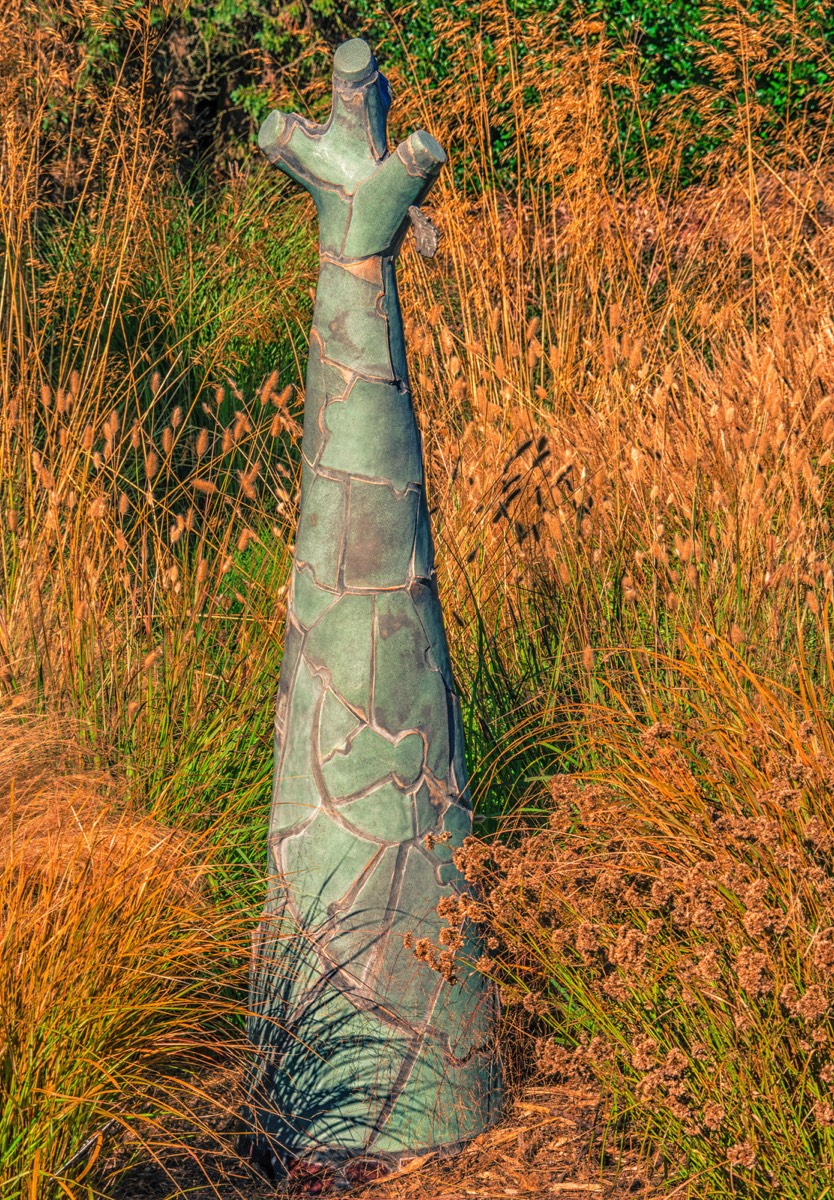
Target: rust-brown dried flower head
(824, 1114)
(812, 1005)
(822, 952)
(753, 972)
(742, 1154)
(644, 1053)
(472, 859)
(587, 941)
(629, 950)
(713, 1116)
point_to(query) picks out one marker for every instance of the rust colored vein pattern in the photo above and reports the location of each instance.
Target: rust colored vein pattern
(363, 1049)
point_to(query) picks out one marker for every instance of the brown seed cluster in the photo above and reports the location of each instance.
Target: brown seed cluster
(672, 923)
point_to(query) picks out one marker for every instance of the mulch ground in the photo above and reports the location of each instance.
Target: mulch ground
(548, 1145)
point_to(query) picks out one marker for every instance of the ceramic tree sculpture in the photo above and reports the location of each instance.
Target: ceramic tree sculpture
(364, 1051)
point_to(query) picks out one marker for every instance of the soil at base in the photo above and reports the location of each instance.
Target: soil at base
(548, 1145)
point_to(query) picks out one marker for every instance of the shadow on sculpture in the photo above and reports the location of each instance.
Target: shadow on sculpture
(328, 1056)
(363, 1050)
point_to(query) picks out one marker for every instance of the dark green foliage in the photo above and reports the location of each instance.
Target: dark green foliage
(218, 65)
(677, 47)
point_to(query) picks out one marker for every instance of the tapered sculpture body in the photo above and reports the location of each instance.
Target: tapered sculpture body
(364, 1049)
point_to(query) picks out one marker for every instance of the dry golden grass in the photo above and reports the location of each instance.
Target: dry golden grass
(664, 359)
(631, 453)
(671, 925)
(146, 499)
(119, 970)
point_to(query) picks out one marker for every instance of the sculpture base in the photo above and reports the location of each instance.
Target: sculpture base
(328, 1171)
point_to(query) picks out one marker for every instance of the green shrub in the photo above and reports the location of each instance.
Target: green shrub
(217, 66)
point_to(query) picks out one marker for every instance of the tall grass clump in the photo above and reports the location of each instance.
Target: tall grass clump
(626, 384)
(148, 425)
(671, 926)
(148, 420)
(120, 972)
(628, 402)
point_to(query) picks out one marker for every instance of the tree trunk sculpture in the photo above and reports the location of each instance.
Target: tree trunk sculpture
(364, 1051)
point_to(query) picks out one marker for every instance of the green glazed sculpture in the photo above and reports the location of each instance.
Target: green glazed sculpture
(364, 1051)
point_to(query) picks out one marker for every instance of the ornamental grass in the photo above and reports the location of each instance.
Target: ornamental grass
(625, 385)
